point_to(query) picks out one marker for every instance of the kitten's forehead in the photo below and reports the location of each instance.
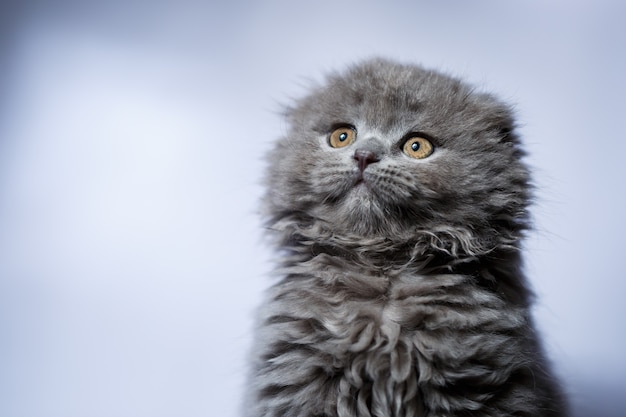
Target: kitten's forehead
(391, 98)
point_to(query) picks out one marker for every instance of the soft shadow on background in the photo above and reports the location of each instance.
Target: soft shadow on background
(132, 137)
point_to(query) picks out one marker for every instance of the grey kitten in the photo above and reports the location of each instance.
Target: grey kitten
(398, 200)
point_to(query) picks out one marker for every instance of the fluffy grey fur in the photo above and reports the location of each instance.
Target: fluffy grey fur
(401, 291)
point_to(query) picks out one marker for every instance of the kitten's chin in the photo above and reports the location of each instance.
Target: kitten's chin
(360, 213)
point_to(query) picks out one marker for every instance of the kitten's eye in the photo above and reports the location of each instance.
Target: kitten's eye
(342, 136)
(418, 147)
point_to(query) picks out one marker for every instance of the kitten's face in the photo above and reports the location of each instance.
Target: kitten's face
(387, 150)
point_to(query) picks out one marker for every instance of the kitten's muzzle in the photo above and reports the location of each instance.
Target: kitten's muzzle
(364, 158)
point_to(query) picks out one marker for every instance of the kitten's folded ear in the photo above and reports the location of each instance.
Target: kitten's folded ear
(498, 118)
(507, 134)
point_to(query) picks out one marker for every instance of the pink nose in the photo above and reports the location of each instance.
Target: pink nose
(364, 158)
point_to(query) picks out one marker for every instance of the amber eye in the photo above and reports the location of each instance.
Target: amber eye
(418, 147)
(342, 136)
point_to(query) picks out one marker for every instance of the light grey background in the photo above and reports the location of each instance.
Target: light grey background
(131, 143)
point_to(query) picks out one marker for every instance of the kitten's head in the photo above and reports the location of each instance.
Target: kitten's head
(398, 152)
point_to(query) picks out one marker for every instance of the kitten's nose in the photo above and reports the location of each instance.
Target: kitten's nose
(364, 158)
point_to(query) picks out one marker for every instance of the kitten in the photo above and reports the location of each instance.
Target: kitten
(398, 200)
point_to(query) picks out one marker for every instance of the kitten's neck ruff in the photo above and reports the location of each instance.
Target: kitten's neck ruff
(305, 237)
(444, 251)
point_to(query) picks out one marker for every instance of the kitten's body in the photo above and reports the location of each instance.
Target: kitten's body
(401, 290)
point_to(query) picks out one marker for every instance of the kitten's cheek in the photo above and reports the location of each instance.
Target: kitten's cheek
(332, 188)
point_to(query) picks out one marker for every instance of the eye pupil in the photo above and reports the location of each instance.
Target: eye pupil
(415, 146)
(343, 136)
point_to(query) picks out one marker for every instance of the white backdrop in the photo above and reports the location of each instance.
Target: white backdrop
(131, 143)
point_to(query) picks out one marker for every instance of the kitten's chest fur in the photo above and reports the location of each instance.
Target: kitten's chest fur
(366, 341)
